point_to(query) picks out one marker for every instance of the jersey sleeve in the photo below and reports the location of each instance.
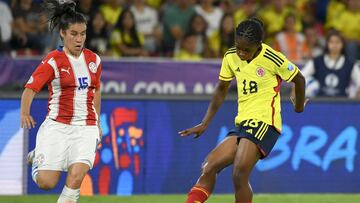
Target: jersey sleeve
(226, 74)
(287, 70)
(43, 74)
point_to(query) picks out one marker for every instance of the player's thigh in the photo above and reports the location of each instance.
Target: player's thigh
(51, 145)
(247, 155)
(223, 154)
(83, 145)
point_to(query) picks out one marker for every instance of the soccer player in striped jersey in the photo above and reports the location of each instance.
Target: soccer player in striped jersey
(68, 138)
(258, 70)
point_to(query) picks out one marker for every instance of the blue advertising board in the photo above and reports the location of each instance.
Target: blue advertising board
(11, 149)
(143, 153)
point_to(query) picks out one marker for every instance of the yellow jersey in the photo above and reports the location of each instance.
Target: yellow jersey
(258, 83)
(111, 14)
(116, 39)
(348, 23)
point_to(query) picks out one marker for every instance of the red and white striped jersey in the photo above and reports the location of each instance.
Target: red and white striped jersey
(71, 82)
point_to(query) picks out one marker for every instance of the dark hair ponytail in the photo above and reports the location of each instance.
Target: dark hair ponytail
(61, 14)
(252, 29)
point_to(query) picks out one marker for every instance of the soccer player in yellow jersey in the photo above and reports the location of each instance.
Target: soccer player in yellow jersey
(259, 71)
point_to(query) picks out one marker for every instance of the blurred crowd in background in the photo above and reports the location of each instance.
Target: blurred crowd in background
(192, 29)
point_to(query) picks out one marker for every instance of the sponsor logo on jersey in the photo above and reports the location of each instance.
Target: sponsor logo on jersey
(67, 70)
(260, 72)
(92, 67)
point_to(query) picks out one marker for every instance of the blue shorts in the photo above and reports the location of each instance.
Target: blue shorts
(260, 133)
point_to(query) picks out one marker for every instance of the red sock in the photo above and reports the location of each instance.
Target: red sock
(197, 195)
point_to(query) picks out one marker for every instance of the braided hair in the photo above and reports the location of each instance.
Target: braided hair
(251, 29)
(62, 13)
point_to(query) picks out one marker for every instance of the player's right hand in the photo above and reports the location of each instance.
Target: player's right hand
(27, 121)
(197, 130)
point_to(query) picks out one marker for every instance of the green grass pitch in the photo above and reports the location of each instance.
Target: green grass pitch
(259, 198)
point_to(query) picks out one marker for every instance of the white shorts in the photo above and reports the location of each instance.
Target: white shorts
(60, 145)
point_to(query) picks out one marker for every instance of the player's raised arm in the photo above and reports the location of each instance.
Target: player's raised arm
(216, 101)
(299, 101)
(27, 120)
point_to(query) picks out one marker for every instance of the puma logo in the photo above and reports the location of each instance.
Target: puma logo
(66, 70)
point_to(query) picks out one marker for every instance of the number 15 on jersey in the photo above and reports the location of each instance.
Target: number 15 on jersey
(83, 83)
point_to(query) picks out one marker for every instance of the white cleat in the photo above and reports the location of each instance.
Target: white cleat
(30, 157)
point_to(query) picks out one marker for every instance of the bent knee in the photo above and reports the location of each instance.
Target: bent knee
(45, 184)
(211, 168)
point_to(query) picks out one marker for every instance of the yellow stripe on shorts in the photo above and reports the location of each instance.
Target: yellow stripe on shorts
(264, 132)
(259, 130)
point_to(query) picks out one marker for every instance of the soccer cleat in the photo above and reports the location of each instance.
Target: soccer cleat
(30, 157)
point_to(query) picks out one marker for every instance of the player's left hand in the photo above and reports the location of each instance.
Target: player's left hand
(292, 99)
(197, 130)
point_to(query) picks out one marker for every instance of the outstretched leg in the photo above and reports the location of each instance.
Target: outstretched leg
(246, 157)
(219, 158)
